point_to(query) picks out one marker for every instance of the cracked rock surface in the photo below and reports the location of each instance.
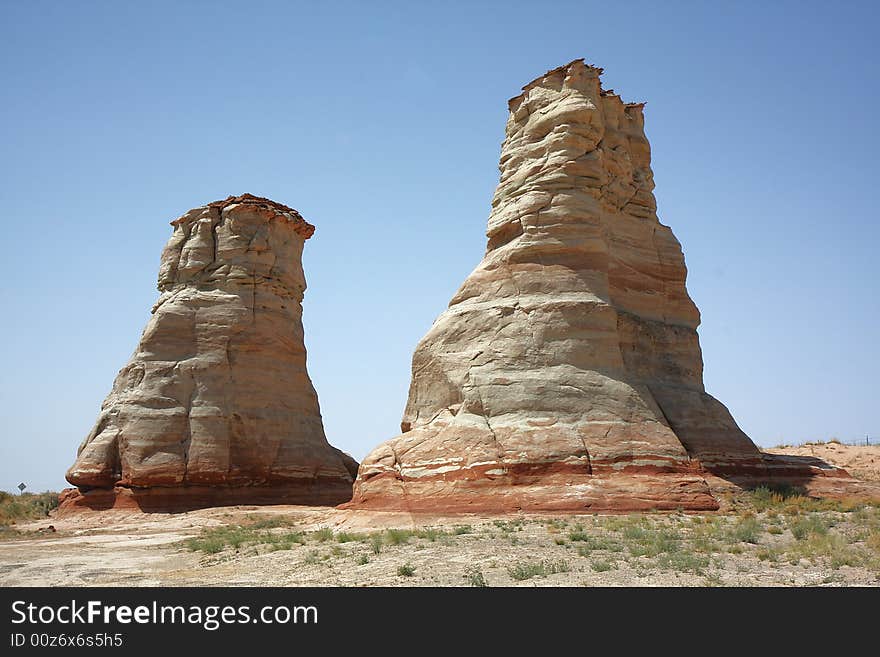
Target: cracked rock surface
(566, 372)
(215, 406)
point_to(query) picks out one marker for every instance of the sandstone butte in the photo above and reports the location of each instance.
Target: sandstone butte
(216, 407)
(566, 373)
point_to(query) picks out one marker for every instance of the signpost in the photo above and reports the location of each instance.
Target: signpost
(21, 488)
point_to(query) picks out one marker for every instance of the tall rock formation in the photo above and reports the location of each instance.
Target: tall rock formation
(216, 406)
(566, 372)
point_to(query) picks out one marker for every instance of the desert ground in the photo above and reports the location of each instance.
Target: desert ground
(759, 538)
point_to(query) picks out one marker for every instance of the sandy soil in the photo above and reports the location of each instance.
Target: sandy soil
(132, 549)
(740, 546)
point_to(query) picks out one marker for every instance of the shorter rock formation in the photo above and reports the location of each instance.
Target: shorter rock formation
(216, 406)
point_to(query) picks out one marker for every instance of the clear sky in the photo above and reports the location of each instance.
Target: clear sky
(382, 123)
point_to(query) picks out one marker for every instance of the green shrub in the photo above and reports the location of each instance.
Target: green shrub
(266, 522)
(406, 570)
(831, 546)
(286, 541)
(475, 577)
(803, 526)
(323, 535)
(398, 536)
(522, 571)
(683, 562)
(429, 533)
(216, 539)
(746, 530)
(591, 543)
(650, 543)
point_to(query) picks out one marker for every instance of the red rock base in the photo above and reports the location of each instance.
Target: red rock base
(175, 500)
(565, 493)
(614, 492)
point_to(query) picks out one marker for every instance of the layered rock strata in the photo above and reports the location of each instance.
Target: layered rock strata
(566, 373)
(215, 406)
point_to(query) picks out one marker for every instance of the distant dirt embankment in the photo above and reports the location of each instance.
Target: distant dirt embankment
(861, 461)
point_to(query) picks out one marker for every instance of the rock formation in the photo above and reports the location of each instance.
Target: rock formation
(566, 372)
(216, 406)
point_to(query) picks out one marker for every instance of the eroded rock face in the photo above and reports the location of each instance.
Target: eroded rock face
(216, 406)
(566, 372)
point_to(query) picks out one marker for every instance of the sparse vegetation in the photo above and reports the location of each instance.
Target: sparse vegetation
(681, 561)
(590, 544)
(287, 540)
(398, 536)
(523, 571)
(651, 543)
(792, 501)
(29, 506)
(802, 527)
(217, 539)
(747, 529)
(508, 526)
(430, 534)
(475, 577)
(790, 541)
(323, 535)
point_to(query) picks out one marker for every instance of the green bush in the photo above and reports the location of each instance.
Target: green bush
(683, 562)
(216, 539)
(803, 526)
(475, 577)
(324, 534)
(650, 543)
(746, 530)
(398, 536)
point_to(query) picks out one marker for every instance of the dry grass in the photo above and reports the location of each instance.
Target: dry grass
(29, 506)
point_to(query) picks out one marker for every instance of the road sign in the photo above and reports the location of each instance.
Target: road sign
(21, 487)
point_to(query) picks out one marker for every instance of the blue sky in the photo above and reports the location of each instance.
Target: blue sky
(382, 123)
